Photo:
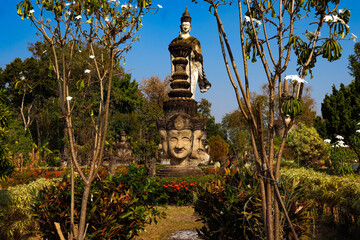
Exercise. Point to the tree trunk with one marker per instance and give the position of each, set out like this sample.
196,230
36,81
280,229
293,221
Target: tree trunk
84,202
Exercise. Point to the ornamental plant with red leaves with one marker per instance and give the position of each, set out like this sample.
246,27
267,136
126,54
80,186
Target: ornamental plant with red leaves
30,174
180,193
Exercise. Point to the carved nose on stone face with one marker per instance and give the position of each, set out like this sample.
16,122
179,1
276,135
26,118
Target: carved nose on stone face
179,145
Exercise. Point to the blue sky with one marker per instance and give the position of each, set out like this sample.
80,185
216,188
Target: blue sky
150,55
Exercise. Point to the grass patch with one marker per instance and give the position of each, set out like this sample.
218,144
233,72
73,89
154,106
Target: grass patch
177,218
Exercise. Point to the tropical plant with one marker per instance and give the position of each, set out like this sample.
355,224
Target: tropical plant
230,208
15,208
112,27
274,49
116,210
336,197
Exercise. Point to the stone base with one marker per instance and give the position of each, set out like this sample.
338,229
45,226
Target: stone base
179,171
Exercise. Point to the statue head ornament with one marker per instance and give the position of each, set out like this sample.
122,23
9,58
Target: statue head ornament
186,16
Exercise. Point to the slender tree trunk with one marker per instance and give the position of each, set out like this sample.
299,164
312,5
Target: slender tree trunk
84,202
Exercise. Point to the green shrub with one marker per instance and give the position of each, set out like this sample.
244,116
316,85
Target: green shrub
337,197
230,208
341,157
162,191
15,208
116,209
309,148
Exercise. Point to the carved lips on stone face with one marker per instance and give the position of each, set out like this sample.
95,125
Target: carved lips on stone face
180,143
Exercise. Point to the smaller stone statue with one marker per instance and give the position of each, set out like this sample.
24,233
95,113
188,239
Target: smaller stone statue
195,70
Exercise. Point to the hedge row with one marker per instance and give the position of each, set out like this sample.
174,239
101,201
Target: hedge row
15,208
337,197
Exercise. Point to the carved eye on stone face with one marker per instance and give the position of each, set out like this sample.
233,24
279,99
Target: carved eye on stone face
185,139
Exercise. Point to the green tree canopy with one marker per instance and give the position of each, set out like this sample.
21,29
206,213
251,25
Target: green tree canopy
340,109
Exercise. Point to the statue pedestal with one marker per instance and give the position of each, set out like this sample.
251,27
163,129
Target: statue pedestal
179,171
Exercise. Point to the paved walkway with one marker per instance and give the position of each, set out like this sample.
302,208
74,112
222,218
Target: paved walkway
184,235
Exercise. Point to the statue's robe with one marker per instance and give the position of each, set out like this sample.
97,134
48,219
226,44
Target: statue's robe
196,71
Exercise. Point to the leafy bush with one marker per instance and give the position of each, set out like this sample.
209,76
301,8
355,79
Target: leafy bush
29,174
162,191
15,208
118,207
308,146
180,191
337,197
341,157
219,147
20,143
230,208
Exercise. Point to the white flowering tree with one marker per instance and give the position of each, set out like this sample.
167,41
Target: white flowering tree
273,32
65,25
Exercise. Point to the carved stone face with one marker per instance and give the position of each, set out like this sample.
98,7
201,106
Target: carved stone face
180,143
185,27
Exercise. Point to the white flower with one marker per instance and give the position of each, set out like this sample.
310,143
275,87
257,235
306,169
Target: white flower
295,79
78,17
358,123
68,13
331,18
68,98
107,19
124,6
339,137
79,50
248,19
358,131
87,71
92,56
32,11
341,11
159,6
22,78
327,141
353,37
